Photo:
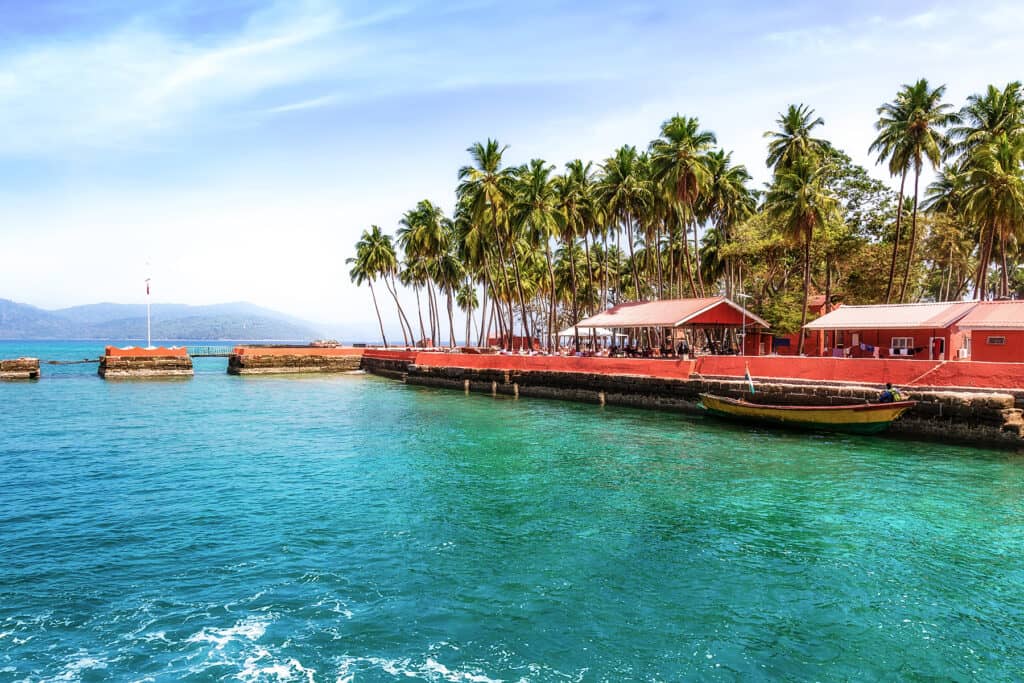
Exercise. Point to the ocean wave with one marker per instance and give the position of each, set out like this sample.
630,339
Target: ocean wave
250,628
429,669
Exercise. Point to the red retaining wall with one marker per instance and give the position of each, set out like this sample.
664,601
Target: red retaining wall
612,366
389,354
296,351
159,352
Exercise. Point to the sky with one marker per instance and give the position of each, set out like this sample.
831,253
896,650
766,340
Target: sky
235,150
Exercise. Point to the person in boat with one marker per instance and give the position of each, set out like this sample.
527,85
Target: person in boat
890,395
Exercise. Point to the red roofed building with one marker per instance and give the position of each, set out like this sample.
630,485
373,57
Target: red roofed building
716,312
926,331
997,331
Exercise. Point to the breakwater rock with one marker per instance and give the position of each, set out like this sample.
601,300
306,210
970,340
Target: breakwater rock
277,360
980,418
19,368
145,363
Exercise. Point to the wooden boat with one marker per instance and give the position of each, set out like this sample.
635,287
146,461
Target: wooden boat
864,418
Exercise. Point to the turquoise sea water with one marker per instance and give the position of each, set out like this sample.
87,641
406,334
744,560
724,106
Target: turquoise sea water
350,528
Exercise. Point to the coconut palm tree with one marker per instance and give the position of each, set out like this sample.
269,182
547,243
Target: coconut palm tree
794,140
624,189
800,201
728,202
467,302
575,202
486,189
987,116
891,147
375,257
680,164
536,211
922,139
995,197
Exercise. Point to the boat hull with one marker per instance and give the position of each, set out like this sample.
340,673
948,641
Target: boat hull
867,418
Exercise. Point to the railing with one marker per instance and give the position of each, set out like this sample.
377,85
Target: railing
210,351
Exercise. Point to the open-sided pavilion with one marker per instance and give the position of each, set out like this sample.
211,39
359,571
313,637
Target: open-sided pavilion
678,318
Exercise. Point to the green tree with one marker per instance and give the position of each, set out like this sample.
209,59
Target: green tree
800,201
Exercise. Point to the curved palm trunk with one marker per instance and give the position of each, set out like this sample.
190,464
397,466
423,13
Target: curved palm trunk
551,311
632,257
380,320
913,242
807,290
696,259
403,322
575,303
451,319
503,267
686,258
896,241
419,312
1004,280
657,256
522,297
590,267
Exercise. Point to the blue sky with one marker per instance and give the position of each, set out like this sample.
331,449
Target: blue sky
241,146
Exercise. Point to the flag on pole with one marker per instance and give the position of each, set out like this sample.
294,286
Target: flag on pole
750,380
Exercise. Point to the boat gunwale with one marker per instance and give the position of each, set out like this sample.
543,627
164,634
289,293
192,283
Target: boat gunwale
856,407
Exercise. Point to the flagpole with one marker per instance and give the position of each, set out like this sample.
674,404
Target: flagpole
149,336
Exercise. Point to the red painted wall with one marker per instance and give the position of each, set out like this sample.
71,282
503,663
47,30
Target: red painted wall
679,369
159,352
1011,352
296,351
905,373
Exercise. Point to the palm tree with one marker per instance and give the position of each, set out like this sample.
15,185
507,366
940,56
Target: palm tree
987,116
801,202
624,189
995,197
575,202
535,210
467,302
923,139
793,140
375,257
728,202
891,146
486,190
680,164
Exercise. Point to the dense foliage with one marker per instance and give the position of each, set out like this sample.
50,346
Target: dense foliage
530,250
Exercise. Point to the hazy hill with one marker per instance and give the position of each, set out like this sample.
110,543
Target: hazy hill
239,320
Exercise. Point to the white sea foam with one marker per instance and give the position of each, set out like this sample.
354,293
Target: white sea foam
73,669
257,668
430,669
250,629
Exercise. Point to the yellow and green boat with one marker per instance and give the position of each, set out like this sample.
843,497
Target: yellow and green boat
864,418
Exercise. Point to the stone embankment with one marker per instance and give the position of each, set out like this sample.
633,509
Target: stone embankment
278,360
19,368
981,417
145,363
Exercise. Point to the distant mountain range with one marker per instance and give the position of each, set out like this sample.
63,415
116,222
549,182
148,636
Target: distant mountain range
170,321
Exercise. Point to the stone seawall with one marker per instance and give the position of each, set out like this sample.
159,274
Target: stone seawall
281,361
19,368
144,367
973,418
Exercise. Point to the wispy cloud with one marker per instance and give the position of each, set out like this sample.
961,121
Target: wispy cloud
117,88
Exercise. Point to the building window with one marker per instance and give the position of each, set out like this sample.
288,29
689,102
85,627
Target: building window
902,342
996,341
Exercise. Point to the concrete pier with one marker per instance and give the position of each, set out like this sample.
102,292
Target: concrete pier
19,368
279,360
135,363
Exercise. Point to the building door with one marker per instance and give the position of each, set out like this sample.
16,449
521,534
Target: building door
937,349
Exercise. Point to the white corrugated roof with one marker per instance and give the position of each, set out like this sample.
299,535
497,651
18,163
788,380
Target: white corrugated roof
931,316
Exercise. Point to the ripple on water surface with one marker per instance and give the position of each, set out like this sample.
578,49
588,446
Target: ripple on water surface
354,529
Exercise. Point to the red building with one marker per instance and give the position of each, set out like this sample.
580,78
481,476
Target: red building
926,331
997,331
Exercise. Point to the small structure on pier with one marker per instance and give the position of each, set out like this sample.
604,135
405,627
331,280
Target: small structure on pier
136,363
278,360
19,368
